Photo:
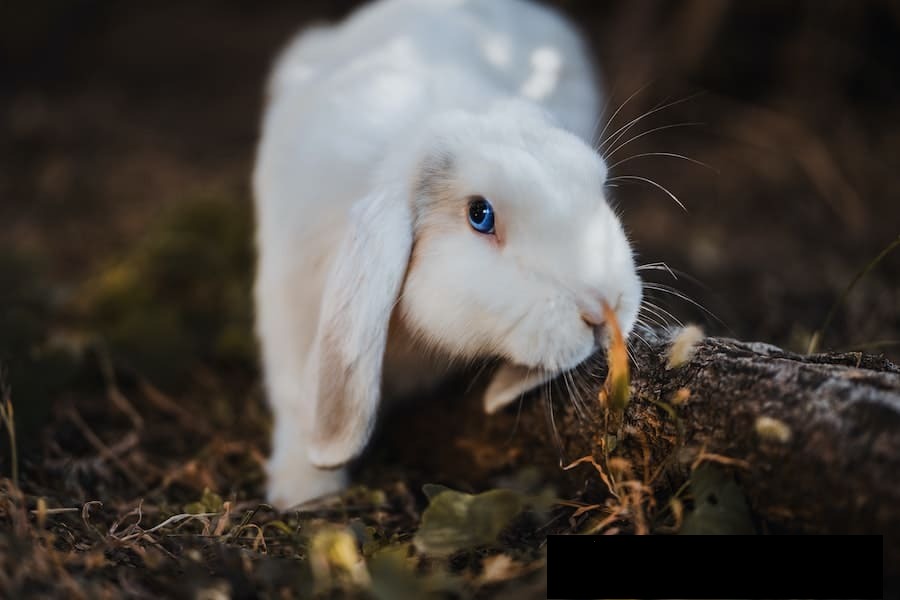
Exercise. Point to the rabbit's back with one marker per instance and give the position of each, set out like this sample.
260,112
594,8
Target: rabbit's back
515,46
340,96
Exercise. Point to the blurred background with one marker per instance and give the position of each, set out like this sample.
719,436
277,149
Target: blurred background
127,133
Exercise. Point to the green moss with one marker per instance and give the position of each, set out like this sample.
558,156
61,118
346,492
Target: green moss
181,296
34,368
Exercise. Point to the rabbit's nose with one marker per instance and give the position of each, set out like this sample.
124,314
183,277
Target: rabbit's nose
593,318
597,323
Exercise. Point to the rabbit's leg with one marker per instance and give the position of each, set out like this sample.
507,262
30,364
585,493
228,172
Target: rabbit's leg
292,478
284,332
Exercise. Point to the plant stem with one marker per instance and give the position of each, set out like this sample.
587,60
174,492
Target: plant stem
816,338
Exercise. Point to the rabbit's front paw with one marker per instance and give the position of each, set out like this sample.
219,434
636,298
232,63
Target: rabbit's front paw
293,480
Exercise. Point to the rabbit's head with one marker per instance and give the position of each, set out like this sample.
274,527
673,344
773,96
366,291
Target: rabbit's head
488,237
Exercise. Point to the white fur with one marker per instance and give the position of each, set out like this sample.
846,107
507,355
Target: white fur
371,281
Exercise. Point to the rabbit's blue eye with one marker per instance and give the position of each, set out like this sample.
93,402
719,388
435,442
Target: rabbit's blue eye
481,215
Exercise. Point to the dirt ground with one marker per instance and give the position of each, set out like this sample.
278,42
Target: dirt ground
124,127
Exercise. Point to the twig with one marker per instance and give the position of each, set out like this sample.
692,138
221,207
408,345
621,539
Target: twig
113,392
102,448
173,520
56,511
168,405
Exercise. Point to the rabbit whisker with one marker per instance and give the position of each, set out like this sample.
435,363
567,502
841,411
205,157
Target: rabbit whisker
609,154
653,183
630,352
658,310
638,336
519,403
581,380
566,377
666,289
657,266
650,312
477,375
654,319
551,422
662,154
618,110
618,134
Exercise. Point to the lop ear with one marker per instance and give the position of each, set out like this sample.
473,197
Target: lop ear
359,296
509,383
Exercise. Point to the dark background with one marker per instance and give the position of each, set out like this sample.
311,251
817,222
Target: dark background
127,133
111,112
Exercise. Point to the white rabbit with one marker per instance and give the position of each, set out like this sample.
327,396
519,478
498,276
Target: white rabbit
426,196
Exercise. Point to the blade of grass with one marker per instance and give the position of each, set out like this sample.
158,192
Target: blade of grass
816,338
619,379
7,415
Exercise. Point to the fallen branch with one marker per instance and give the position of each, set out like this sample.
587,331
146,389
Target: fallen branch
813,441
816,439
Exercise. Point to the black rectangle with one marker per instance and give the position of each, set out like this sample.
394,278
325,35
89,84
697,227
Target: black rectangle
624,566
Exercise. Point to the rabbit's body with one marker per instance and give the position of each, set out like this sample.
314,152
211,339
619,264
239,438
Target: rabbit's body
363,138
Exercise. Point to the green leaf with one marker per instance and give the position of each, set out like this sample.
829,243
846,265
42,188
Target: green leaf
433,489
210,502
395,577
457,521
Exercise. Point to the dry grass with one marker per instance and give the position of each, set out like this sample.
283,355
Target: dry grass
131,492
